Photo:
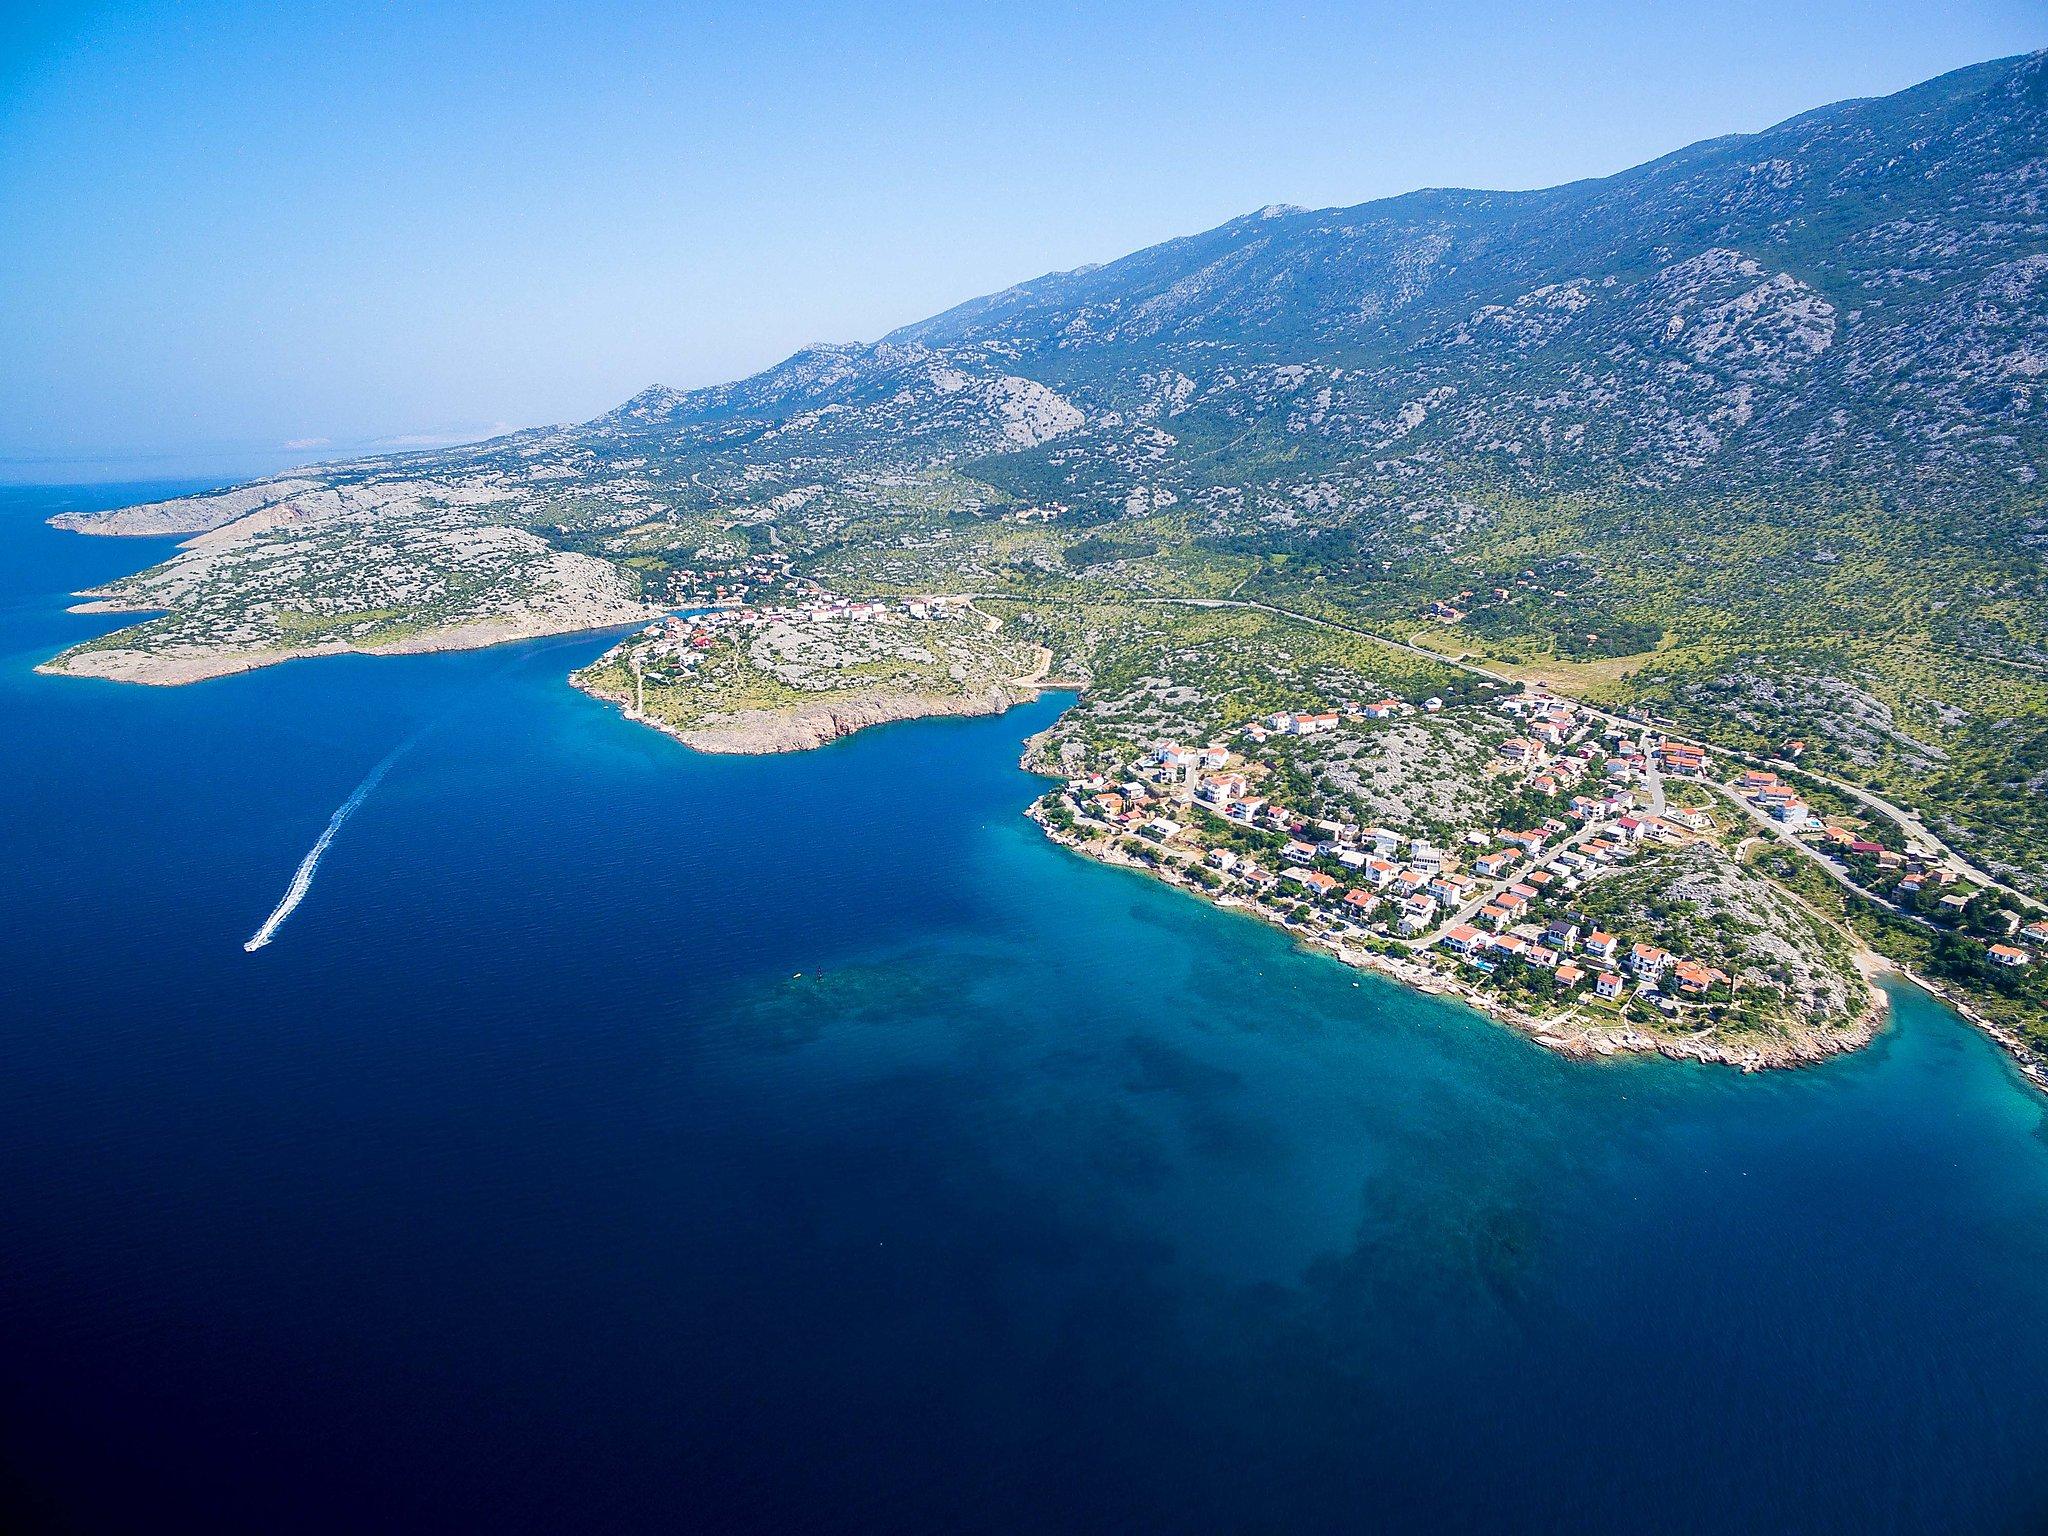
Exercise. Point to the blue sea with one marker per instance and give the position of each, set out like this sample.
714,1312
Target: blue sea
621,1139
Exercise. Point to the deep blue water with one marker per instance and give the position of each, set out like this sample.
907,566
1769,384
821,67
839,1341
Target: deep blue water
524,1184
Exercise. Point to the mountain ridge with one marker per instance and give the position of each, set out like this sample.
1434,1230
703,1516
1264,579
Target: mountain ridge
1739,414
1254,289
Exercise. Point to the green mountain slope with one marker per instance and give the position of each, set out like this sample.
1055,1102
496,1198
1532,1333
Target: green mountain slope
1769,408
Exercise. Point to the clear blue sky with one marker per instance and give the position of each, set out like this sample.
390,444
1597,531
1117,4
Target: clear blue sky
235,235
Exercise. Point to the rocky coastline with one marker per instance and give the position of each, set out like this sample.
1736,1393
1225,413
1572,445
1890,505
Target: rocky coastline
756,733
2030,1062
1577,1038
176,668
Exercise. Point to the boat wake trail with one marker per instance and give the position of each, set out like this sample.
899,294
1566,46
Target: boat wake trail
302,877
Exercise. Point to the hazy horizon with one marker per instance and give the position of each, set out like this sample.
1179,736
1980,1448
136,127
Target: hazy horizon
233,243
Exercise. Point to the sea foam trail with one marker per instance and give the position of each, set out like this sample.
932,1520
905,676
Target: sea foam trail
302,877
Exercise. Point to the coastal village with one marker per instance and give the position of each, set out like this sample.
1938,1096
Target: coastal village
1513,911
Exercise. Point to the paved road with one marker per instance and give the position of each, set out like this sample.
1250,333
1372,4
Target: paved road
1910,823
1835,870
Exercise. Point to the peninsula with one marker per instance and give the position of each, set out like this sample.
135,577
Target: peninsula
788,678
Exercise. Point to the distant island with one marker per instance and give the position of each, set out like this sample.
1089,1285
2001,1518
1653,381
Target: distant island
1620,605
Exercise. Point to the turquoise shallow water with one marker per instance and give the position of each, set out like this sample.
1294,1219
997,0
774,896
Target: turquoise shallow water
618,1138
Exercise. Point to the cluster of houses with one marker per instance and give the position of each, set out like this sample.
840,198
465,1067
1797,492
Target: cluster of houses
1320,722
732,583
681,639
1486,896
1506,895
679,643
1563,942
821,609
1913,875
1559,750
1777,799
1908,876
